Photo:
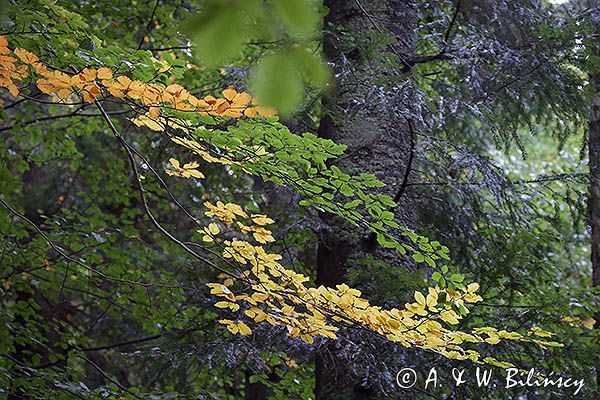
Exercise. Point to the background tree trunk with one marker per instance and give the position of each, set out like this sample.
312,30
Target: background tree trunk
594,155
373,123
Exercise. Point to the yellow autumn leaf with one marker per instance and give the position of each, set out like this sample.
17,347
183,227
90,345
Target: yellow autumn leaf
213,228
449,317
472,287
540,332
420,298
26,56
104,73
210,231
244,329
260,219
229,93
226,304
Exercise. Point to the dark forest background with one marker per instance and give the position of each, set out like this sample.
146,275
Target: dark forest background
482,117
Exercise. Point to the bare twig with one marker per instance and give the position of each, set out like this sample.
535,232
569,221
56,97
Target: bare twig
105,375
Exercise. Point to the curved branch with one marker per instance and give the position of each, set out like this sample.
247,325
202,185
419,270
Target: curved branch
409,163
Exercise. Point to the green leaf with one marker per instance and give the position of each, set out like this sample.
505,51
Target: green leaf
276,82
387,215
219,31
418,257
352,204
300,17
346,190
313,67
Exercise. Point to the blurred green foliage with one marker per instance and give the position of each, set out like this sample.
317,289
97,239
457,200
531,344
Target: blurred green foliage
220,30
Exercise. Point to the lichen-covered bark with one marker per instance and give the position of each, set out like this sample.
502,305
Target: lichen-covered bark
364,112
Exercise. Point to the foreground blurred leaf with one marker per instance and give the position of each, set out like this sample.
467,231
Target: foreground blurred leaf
279,79
276,81
298,16
219,31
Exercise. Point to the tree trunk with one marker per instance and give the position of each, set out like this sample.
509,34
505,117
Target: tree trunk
594,155
367,116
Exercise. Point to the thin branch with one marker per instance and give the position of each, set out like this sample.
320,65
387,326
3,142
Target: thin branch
74,113
409,163
169,48
149,25
541,179
105,375
124,343
142,193
452,21
60,251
